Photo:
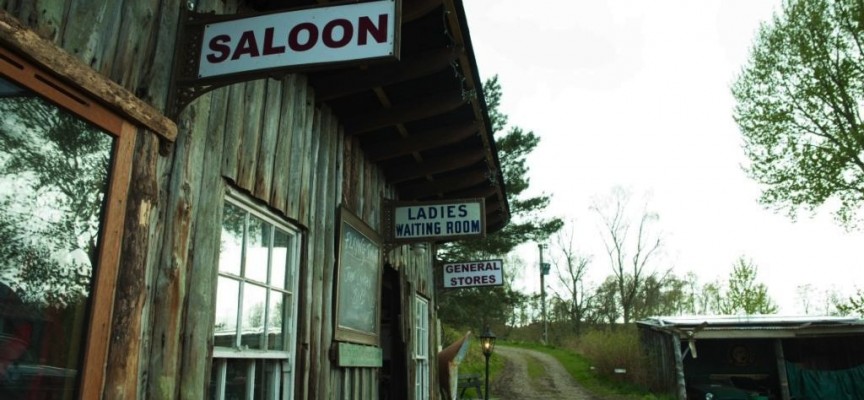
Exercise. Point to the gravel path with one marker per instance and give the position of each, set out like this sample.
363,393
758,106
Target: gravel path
515,384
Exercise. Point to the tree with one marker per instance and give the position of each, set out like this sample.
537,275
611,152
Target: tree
854,305
477,306
798,108
660,295
605,307
53,179
744,295
526,224
571,268
631,248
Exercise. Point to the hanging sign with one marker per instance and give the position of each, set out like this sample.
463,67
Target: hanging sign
434,221
217,50
474,273
320,35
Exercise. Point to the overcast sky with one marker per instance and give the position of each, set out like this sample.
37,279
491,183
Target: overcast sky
635,93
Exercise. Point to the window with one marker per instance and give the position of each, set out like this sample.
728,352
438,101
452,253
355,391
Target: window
255,305
64,170
421,348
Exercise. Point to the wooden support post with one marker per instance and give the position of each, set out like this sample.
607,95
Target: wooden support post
679,367
781,369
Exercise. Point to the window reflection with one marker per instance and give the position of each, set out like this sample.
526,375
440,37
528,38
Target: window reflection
277,323
53,179
228,294
278,277
257,246
233,221
254,315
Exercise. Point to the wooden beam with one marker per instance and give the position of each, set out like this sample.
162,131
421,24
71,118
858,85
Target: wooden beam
484,191
442,186
73,71
422,141
329,87
411,9
429,106
453,161
493,205
495,222
415,9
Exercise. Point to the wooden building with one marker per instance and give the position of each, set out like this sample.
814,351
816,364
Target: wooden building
165,239
756,356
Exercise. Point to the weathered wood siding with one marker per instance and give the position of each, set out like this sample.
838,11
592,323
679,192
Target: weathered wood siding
264,137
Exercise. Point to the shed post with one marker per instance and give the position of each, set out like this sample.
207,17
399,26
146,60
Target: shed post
781,369
679,367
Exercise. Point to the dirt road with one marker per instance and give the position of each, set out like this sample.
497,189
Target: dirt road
554,383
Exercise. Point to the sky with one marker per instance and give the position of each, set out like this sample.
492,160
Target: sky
636,94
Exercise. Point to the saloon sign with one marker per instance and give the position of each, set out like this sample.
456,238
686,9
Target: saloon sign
474,273
346,32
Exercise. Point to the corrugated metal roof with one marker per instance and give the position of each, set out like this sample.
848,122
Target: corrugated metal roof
753,326
748,320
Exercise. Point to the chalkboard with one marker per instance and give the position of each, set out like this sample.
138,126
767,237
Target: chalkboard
359,281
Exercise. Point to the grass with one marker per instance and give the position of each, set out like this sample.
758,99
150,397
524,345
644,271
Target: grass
580,368
535,369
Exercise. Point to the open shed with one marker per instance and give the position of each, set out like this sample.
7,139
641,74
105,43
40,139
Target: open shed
756,356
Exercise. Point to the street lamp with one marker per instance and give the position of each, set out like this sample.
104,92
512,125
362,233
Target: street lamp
487,340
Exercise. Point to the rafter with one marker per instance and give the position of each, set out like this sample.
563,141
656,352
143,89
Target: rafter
422,141
453,161
359,80
428,106
440,186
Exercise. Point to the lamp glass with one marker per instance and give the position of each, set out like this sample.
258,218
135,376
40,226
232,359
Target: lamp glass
487,340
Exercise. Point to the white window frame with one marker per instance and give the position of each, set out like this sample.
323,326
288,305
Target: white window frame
421,348
221,355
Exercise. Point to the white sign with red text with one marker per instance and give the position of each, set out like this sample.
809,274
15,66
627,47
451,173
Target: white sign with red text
313,36
474,273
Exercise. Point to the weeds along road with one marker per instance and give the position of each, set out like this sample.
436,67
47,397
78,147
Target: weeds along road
531,375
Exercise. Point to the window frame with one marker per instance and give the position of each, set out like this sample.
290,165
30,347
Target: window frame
221,355
421,353
104,279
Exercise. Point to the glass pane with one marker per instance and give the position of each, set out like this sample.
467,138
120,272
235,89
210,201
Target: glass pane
257,244
281,241
227,300
254,299
268,375
275,337
215,387
237,377
53,180
231,250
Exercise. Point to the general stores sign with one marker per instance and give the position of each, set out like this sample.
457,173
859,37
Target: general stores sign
474,273
341,33
423,222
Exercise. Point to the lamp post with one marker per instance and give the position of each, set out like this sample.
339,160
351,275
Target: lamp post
487,340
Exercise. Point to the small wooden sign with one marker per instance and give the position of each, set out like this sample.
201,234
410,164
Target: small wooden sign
355,355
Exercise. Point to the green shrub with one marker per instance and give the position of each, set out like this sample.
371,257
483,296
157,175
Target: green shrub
611,349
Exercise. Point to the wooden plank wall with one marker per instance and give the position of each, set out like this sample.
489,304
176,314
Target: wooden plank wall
264,137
